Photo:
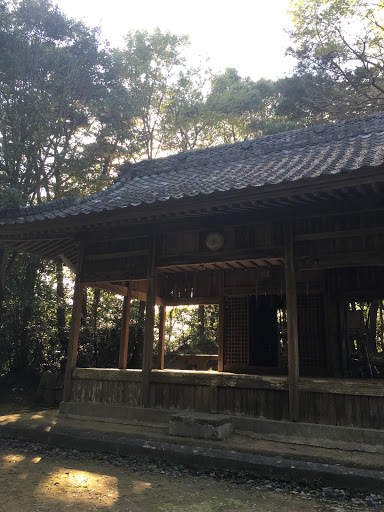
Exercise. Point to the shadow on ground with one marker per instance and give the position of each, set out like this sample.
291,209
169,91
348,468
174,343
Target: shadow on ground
33,480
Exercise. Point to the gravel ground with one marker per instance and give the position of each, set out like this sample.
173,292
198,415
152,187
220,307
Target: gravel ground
35,477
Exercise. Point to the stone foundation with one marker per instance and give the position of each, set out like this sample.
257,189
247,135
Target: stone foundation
200,426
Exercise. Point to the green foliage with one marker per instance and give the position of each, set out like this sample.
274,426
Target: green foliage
147,68
187,121
58,117
55,102
242,108
340,43
237,103
184,335
99,341
29,335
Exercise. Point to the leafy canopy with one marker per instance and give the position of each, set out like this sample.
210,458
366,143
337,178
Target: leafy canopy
340,43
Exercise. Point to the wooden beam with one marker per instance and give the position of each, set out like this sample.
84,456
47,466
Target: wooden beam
60,246
124,337
351,259
116,255
292,329
338,386
330,235
68,263
140,295
112,274
148,327
220,364
162,322
110,287
223,256
356,387
191,301
107,374
73,339
187,377
262,289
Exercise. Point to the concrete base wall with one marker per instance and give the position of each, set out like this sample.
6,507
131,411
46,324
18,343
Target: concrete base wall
325,436
116,414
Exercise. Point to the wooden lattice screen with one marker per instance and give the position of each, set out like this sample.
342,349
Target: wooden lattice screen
311,331
236,350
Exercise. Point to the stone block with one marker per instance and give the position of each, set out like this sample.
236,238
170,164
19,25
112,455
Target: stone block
200,426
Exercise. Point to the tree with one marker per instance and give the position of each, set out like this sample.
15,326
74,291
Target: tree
187,122
57,118
296,106
192,330
240,108
340,43
148,68
65,118
237,104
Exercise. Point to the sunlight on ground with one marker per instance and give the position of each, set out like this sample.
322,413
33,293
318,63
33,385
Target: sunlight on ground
9,418
30,483
52,484
12,460
71,485
138,487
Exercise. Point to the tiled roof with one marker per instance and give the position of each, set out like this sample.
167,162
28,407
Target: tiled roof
285,157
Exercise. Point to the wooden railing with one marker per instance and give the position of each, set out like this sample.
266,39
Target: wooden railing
348,402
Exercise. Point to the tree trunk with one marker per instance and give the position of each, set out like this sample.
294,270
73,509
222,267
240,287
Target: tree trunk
84,307
170,325
95,307
4,253
21,362
137,342
371,327
201,322
60,311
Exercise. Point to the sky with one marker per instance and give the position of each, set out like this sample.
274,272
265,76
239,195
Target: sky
249,35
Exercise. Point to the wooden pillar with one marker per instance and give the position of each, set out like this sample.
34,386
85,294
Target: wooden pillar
220,364
148,327
292,330
124,336
73,339
162,321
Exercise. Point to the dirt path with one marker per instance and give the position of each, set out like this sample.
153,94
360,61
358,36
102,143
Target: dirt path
38,478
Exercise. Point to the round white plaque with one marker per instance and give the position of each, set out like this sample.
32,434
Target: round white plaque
214,241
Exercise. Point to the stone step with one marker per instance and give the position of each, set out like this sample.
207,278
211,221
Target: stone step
200,425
